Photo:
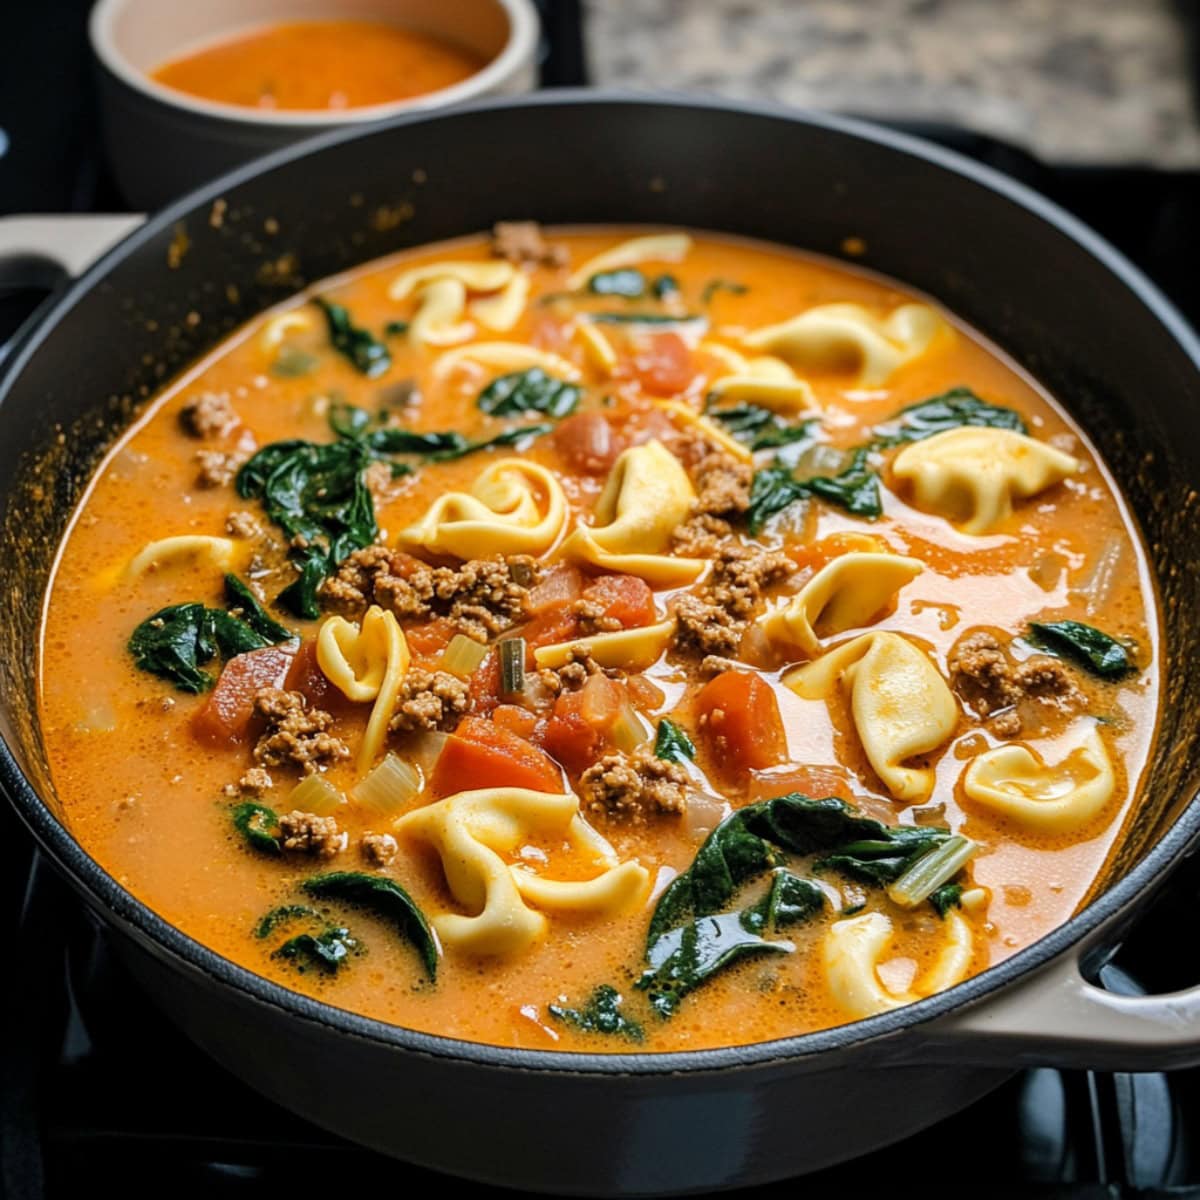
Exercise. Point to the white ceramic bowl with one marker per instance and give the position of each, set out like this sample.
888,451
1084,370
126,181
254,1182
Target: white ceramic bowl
162,142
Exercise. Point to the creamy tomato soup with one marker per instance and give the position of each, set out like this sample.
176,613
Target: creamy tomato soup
604,638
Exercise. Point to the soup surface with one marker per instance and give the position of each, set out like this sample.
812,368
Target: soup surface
319,65
591,639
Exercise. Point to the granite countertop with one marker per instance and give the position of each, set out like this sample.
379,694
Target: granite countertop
1094,81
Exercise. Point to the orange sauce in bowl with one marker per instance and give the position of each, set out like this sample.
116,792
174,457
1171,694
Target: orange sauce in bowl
315,65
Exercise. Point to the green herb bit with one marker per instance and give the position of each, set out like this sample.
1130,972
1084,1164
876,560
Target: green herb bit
326,951
788,901
1091,648
385,898
601,1013
283,915
759,428
175,642
855,488
713,286
664,286
244,604
259,825
291,363
950,410
672,743
932,870
948,896
512,666
358,345
645,318
626,282
529,391
396,328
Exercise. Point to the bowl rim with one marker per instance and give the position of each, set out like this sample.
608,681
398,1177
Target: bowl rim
519,50
138,921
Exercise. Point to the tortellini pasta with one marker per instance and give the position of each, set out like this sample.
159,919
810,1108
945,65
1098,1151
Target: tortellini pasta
501,312
597,347
709,430
507,356
971,475
765,381
513,507
655,247
217,552
438,320
489,275
629,649
850,955
833,335
474,831
900,705
1016,782
647,495
366,662
443,289
844,594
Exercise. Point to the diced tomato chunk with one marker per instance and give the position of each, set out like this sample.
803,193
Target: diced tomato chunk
587,443
624,598
226,714
560,585
579,729
643,693
740,719
515,719
427,641
307,678
551,627
483,688
480,754
663,365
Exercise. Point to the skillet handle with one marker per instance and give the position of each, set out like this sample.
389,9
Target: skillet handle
36,251
1057,1017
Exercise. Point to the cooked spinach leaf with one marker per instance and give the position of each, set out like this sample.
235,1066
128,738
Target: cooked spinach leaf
882,860
601,1013
684,958
259,825
951,410
672,742
663,286
368,354
759,428
395,328
529,391
625,282
315,493
282,915
243,603
855,488
1093,649
326,951
948,896
175,642
788,901
643,318
713,286
385,898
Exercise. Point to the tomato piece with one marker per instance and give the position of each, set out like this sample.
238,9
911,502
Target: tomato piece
577,733
625,598
645,695
515,719
427,641
587,443
663,364
483,688
551,627
480,754
739,716
226,714
307,677
560,585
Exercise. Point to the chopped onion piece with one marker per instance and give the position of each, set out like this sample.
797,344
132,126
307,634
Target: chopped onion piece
931,870
389,787
630,730
463,655
315,794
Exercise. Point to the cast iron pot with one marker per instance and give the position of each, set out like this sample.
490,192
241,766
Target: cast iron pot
1068,307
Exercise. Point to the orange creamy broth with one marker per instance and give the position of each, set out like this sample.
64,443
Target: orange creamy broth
314,65
146,800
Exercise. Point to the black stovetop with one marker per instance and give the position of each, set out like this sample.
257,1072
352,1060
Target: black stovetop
98,1091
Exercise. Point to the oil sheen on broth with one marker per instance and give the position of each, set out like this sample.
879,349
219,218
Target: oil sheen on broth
757,528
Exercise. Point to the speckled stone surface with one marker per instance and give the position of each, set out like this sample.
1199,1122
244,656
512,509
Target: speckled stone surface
1073,80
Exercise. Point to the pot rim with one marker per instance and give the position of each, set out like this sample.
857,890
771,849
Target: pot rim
87,875
518,51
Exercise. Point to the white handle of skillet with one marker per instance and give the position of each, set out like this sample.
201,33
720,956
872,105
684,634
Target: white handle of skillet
35,251
1057,1017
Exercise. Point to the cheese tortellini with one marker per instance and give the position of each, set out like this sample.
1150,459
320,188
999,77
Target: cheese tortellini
1016,782
766,381
443,289
971,475
513,507
900,705
366,662
628,649
474,831
217,552
647,495
851,951
506,356
654,247
844,594
835,335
